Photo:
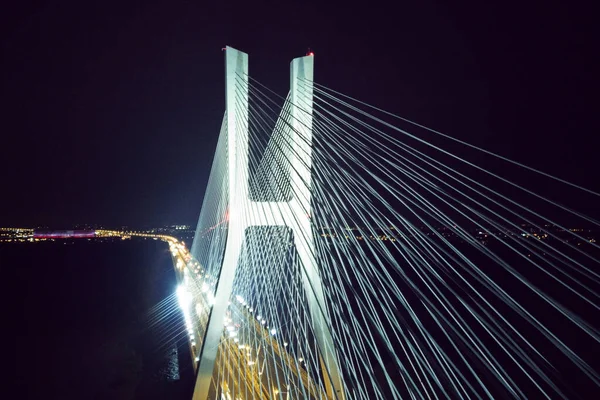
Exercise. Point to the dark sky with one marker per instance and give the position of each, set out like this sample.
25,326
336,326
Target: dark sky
111,110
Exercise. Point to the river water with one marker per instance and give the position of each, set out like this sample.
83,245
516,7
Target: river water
94,320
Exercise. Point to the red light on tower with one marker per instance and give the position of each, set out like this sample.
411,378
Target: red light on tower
310,53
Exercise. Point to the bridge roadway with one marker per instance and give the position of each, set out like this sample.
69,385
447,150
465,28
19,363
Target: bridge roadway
246,372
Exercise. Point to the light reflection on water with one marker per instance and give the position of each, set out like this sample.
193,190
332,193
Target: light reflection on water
170,371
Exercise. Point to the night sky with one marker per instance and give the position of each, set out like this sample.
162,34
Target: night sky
111,110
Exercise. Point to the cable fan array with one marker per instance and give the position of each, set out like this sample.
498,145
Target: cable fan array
441,278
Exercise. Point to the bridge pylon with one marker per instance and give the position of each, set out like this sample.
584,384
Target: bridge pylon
294,214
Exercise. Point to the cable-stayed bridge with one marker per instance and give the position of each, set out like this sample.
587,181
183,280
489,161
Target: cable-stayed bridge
343,252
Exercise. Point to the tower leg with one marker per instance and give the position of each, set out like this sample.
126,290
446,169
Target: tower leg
214,329
317,306
301,96
236,90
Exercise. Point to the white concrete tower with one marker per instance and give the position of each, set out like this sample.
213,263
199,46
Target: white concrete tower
244,213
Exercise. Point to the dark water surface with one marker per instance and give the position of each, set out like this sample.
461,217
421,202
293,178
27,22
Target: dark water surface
93,320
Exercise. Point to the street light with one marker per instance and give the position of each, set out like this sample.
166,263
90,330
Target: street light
277,392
